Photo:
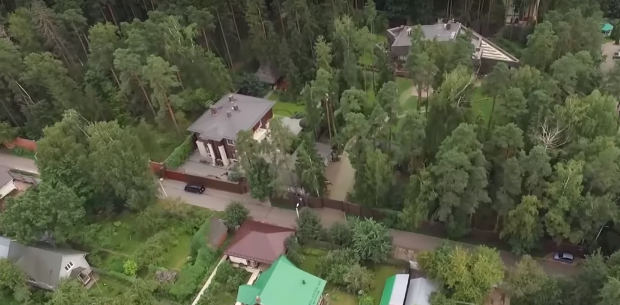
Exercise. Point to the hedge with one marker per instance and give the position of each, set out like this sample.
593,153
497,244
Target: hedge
180,154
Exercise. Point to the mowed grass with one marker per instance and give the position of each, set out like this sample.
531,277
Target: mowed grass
284,108
382,273
177,256
481,104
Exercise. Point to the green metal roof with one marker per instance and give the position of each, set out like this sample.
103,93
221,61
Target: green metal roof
283,284
607,27
387,290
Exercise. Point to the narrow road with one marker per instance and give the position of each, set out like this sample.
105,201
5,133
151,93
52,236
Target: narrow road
263,211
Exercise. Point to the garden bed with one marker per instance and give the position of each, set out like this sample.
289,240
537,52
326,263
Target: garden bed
337,295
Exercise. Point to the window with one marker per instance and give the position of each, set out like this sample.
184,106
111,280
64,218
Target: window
69,266
230,142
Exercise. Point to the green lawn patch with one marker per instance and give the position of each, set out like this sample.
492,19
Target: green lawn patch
482,104
382,272
109,286
177,256
286,109
403,84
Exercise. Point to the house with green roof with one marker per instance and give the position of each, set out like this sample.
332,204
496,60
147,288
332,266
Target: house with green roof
283,284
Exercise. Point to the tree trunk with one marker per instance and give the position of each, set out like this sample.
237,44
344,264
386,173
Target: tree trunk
419,89
174,119
224,36
180,80
112,14
280,17
81,41
148,99
204,35
496,223
232,13
103,14
329,125
115,78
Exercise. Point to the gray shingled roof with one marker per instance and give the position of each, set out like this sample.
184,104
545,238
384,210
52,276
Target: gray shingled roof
323,150
10,249
43,264
220,126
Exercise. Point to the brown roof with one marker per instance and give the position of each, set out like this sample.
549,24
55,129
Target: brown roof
260,242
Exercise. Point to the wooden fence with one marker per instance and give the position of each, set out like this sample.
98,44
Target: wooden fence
23,144
160,170
290,202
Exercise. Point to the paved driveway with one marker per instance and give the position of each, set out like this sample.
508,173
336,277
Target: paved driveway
608,49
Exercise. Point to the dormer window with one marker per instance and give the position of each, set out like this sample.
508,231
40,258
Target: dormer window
69,266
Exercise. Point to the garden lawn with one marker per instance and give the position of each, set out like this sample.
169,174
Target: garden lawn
481,104
221,296
177,256
382,273
109,286
284,108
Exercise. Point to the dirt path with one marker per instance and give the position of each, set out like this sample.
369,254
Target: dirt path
342,176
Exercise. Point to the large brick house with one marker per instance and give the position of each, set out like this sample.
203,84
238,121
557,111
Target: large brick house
216,130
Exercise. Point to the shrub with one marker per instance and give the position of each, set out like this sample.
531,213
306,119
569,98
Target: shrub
308,226
130,267
199,239
235,174
153,249
340,234
171,213
7,132
358,279
293,251
371,240
191,276
234,214
366,300
230,277
180,154
335,264
95,258
249,84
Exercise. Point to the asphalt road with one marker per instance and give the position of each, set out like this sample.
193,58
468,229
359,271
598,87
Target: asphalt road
263,211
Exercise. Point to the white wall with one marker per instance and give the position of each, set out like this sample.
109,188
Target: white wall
7,189
238,260
79,260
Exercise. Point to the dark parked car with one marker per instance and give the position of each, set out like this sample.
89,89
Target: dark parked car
195,188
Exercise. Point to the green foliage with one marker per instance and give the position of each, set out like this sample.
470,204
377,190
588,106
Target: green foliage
169,213
7,132
180,154
340,234
335,264
46,208
371,240
293,251
462,275
249,84
192,275
199,239
309,226
366,300
130,267
235,214
153,249
358,279
13,281
230,277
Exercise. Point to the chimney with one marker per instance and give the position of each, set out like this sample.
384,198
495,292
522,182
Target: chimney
213,110
409,31
448,25
258,300
228,113
231,97
235,107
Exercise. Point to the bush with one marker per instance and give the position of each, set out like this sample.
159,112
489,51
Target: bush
249,84
199,239
371,240
340,234
191,276
358,279
234,214
153,249
171,213
293,251
308,226
366,300
335,264
230,277
95,258
180,154
235,174
130,267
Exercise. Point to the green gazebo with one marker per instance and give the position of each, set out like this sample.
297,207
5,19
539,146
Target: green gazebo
283,284
607,28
